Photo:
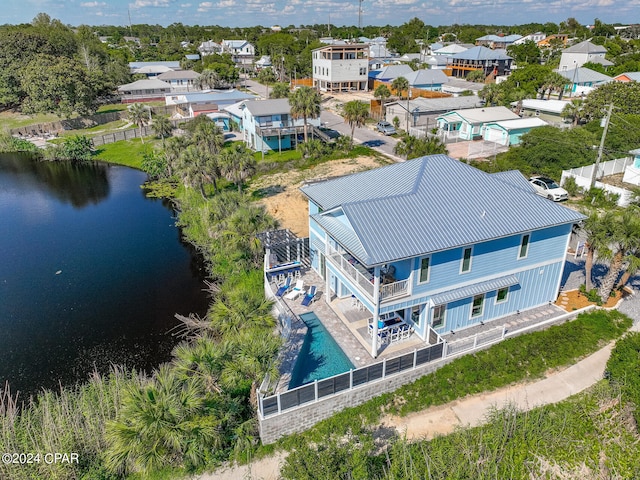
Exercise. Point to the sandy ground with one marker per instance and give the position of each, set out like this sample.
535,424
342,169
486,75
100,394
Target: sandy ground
288,205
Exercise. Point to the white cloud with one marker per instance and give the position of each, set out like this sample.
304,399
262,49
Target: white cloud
185,5
226,3
149,3
92,4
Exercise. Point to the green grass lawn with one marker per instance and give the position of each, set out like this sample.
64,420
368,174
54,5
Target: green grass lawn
125,152
10,120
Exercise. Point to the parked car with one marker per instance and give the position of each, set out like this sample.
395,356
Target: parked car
385,127
548,188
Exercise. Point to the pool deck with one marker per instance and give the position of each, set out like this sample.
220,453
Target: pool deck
348,327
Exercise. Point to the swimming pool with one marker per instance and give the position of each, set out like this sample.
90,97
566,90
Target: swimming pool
320,356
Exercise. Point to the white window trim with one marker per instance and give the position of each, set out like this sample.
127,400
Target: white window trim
484,298
506,298
470,260
444,315
520,246
420,269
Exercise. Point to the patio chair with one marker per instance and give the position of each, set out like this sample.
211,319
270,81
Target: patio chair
284,287
295,291
308,298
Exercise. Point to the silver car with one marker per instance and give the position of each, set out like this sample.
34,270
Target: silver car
385,127
548,188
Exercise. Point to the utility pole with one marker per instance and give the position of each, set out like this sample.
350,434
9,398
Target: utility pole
604,135
359,14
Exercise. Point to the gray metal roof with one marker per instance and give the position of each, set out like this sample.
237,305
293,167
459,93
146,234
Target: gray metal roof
514,178
482,53
273,106
585,47
584,75
178,75
425,77
475,289
439,105
426,205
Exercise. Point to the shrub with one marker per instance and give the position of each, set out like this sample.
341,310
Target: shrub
623,368
571,186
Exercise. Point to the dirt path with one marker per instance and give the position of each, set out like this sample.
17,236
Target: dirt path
285,202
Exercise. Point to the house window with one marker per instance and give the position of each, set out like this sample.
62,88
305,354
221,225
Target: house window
524,246
502,294
363,71
437,318
424,269
465,265
478,306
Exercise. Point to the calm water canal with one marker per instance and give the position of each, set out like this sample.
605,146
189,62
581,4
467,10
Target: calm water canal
91,273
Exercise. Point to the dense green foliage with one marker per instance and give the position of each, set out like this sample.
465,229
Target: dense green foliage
623,369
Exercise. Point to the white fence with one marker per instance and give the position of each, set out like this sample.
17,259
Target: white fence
582,176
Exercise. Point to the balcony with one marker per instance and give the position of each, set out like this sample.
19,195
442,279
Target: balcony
278,130
363,278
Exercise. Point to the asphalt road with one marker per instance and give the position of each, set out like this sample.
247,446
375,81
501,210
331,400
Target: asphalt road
364,135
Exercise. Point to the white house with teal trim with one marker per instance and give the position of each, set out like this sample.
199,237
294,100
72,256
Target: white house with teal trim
268,124
437,242
508,132
469,124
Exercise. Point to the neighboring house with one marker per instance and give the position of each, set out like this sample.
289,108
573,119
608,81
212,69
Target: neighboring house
380,51
153,69
389,73
580,53
427,79
339,68
456,86
583,80
180,80
449,50
242,52
628,77
632,171
190,105
495,62
264,62
436,62
268,125
554,40
508,132
438,243
194,57
469,124
532,37
423,112
411,57
209,48
548,110
497,41
144,91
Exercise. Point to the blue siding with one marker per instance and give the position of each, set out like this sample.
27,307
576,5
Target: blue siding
492,258
313,209
344,280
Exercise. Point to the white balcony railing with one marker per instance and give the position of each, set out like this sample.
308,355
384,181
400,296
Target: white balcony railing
363,278
395,289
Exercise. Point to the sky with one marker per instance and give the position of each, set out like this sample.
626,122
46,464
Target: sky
244,13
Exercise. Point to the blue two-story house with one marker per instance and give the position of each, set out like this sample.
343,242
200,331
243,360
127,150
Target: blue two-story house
437,242
269,125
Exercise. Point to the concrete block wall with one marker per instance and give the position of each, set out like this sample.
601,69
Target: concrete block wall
306,416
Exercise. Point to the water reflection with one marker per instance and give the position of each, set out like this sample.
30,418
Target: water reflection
76,184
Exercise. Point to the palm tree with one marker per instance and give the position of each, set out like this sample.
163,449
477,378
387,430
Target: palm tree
237,164
138,115
209,139
595,226
412,147
399,85
305,103
355,114
195,168
625,238
161,422
280,90
172,151
266,77
382,93
573,111
162,127
208,79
